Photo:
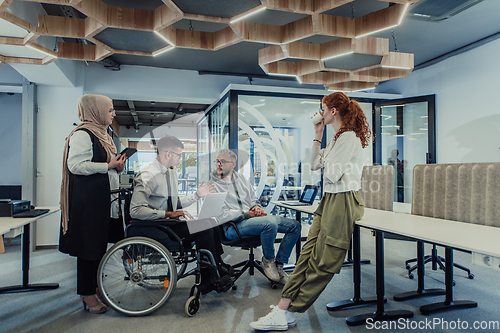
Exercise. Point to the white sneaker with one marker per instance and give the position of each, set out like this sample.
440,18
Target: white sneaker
269,267
275,321
283,275
290,319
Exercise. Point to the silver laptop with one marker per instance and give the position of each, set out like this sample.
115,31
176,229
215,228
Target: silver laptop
210,210
212,205
307,198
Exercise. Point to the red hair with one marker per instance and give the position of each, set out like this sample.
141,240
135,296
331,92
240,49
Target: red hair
353,117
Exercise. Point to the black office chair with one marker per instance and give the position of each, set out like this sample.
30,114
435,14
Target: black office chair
247,242
436,261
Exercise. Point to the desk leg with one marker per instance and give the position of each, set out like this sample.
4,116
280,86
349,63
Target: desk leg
26,286
380,314
421,291
2,246
448,304
356,272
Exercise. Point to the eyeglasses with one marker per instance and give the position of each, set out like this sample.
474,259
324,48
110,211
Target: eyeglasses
178,155
222,162
112,111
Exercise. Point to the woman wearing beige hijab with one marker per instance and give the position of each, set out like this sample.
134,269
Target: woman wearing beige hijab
89,153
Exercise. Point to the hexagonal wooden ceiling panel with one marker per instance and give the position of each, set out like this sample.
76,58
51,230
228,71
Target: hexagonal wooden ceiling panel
315,41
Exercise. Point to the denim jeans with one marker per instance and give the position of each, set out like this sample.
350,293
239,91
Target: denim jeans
267,227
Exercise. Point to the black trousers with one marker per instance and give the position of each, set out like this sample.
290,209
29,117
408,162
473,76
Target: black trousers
209,239
86,276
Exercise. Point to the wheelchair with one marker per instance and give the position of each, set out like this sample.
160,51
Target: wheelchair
138,275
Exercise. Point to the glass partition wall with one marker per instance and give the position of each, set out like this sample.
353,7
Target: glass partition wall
277,134
406,138
273,135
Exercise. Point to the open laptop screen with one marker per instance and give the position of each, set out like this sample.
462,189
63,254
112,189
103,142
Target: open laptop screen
309,194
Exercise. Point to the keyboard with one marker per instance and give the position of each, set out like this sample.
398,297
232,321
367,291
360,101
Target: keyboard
31,213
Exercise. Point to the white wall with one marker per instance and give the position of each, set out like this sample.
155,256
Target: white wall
55,118
467,107
9,76
11,148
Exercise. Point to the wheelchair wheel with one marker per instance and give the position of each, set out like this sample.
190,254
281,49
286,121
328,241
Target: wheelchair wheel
137,276
192,306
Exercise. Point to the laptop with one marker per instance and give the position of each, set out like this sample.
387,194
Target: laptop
307,198
210,210
212,205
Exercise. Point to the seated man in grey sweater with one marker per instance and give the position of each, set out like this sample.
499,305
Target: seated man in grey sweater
242,207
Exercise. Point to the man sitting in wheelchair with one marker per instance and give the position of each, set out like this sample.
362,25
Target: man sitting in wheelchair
156,197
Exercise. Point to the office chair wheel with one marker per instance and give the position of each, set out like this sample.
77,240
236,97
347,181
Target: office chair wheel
410,276
192,306
471,276
274,285
137,276
234,287
407,266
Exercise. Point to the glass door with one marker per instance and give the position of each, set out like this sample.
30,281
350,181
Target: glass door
405,138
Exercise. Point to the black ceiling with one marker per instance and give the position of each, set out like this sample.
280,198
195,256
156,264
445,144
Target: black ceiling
151,113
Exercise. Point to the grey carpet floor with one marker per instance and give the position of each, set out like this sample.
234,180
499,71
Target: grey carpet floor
60,310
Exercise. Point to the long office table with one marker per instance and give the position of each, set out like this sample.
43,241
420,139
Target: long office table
450,234
13,223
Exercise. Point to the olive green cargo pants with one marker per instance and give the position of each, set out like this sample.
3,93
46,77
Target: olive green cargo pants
324,251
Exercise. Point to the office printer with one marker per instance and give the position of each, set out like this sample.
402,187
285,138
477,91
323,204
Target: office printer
10,207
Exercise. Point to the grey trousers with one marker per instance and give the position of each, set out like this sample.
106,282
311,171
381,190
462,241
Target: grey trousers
324,251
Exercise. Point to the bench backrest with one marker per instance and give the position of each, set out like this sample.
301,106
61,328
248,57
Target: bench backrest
465,192
377,182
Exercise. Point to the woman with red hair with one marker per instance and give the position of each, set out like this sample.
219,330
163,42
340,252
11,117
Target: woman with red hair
330,234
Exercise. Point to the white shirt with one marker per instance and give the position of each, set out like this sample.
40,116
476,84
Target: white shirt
342,163
152,187
80,163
